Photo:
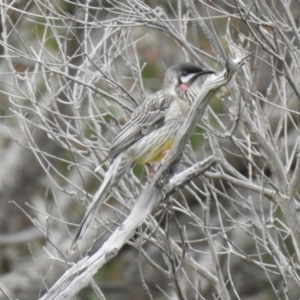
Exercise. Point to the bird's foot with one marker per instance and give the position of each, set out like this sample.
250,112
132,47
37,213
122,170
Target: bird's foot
151,171
165,156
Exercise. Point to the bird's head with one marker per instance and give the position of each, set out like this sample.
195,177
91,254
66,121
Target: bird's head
183,77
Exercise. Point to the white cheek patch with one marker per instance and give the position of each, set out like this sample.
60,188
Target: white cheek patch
186,78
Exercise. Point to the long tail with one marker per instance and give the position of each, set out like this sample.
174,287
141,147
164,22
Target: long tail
118,168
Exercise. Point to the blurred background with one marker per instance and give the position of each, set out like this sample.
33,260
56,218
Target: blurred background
71,74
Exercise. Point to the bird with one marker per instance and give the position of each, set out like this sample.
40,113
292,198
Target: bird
149,134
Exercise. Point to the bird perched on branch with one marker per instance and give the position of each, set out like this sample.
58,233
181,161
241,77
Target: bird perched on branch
150,132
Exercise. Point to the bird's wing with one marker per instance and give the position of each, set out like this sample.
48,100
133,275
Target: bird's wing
147,117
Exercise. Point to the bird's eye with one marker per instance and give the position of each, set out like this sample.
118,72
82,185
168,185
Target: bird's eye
185,78
184,73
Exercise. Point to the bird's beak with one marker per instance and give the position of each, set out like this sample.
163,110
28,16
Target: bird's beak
205,71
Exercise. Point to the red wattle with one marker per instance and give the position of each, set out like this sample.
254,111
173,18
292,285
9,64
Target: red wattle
183,86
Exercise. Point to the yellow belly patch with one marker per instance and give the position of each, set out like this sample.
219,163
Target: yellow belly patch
155,154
